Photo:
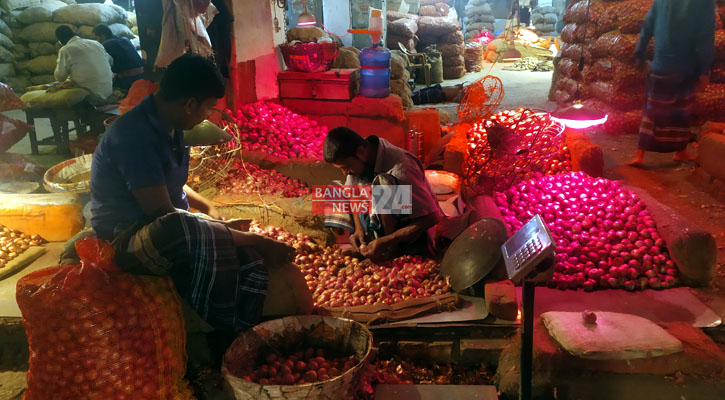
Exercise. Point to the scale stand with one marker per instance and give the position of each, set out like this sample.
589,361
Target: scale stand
529,258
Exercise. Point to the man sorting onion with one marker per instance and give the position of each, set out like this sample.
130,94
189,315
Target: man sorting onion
141,203
374,161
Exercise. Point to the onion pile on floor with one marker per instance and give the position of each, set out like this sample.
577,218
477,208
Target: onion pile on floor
248,178
336,280
271,128
605,237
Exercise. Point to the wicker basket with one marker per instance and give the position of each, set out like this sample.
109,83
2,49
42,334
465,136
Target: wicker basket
338,334
70,176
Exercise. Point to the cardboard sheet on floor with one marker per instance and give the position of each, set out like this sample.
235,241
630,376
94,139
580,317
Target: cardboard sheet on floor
23,260
472,309
381,313
614,336
671,305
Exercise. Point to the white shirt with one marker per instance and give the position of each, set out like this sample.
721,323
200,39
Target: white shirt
87,64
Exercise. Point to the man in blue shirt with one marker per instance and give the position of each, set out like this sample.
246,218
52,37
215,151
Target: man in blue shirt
127,64
140,203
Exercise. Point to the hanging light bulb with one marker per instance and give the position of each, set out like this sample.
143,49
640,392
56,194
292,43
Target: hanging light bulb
306,18
579,116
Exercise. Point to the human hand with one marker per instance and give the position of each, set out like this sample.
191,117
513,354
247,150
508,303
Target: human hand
378,250
214,213
357,239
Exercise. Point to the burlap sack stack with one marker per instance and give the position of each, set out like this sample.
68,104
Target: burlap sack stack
479,18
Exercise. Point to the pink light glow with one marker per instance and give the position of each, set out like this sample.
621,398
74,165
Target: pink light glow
306,23
581,124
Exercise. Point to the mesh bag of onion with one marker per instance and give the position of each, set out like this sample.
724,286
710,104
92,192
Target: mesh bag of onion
515,145
98,333
605,237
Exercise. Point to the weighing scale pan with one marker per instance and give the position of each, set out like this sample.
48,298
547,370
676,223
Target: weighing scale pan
474,253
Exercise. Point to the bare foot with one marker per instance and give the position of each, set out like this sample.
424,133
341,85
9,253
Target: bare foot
637,159
684,156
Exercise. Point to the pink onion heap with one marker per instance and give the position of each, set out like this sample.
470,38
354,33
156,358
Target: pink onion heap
336,280
605,237
247,178
271,128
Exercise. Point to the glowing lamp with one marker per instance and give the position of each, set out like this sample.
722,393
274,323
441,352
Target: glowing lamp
306,18
579,116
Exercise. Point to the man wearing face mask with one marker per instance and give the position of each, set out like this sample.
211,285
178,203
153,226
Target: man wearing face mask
375,161
141,203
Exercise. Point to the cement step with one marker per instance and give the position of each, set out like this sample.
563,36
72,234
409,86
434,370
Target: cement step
434,392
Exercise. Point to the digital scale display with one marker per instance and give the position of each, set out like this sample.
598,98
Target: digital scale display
528,248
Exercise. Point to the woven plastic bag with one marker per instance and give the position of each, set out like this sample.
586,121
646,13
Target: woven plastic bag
11,131
98,333
8,99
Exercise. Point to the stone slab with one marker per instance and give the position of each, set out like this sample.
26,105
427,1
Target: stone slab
438,351
691,247
435,392
481,351
501,299
12,385
585,155
710,154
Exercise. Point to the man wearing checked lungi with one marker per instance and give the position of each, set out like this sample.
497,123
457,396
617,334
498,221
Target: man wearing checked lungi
141,203
684,33
381,235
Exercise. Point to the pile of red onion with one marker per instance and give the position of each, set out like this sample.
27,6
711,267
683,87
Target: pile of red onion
336,280
273,129
512,146
248,178
605,238
309,366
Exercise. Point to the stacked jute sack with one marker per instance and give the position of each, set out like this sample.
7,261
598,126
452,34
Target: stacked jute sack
435,8
33,23
474,57
445,33
401,29
609,80
479,18
545,20
399,77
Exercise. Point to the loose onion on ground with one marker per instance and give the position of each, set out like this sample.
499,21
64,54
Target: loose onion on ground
604,235
248,178
336,280
271,128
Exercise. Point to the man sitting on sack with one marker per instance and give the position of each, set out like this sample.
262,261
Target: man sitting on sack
86,63
140,203
381,236
127,64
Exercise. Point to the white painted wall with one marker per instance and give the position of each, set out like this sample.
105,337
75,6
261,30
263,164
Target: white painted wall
336,17
256,40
